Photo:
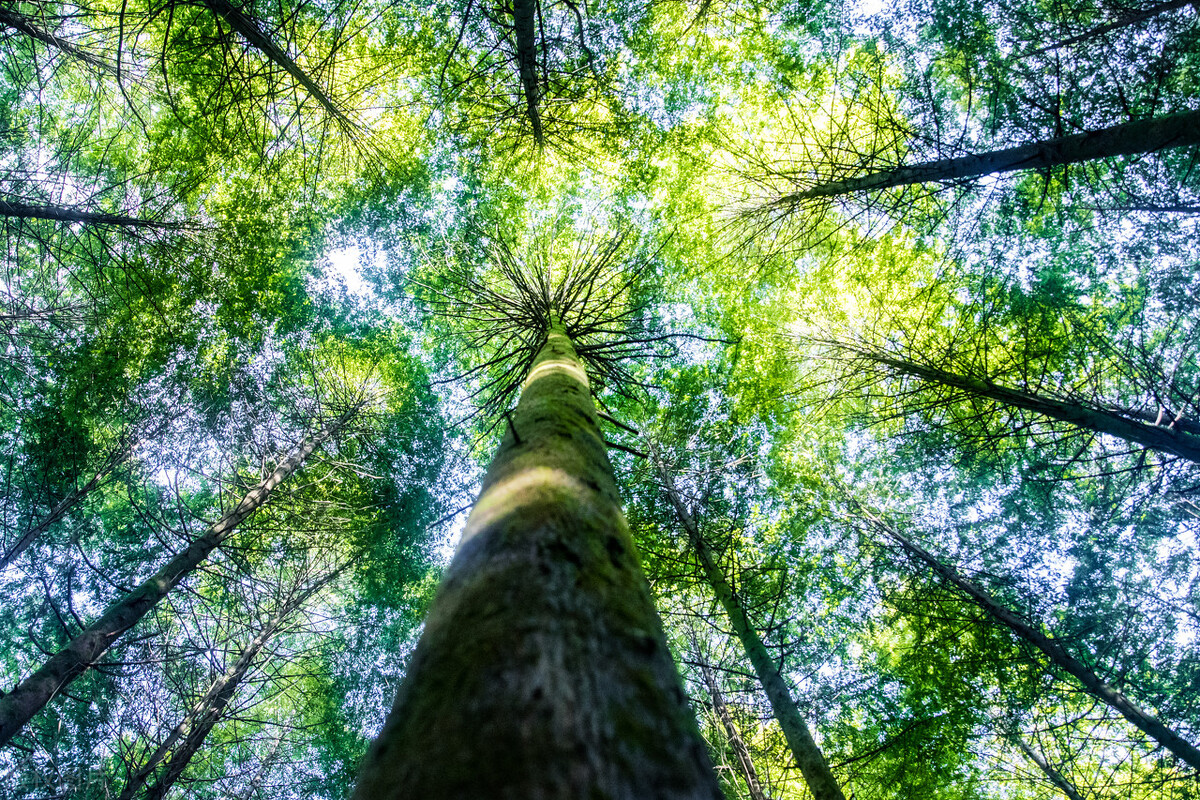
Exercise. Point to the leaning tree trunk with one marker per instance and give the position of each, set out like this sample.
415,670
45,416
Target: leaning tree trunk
31,534
543,671
749,773
31,694
248,28
1117,24
18,209
29,27
1130,138
1135,427
807,754
186,738
60,510
525,31
1140,718
1053,775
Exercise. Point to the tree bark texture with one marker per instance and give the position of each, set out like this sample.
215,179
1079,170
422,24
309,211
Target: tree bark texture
1054,651
1130,138
525,31
32,694
543,671
807,754
1164,438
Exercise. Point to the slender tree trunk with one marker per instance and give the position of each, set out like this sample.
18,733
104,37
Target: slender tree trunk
254,787
31,694
247,27
186,739
63,506
60,509
1130,138
1139,429
1123,22
1053,775
22,210
807,754
23,24
1053,650
735,737
525,30
543,672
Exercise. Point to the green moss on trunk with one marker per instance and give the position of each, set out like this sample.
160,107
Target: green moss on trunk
543,671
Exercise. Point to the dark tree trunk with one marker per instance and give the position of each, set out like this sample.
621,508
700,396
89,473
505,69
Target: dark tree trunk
60,509
247,27
23,24
56,513
543,672
1171,436
807,754
1130,138
525,31
31,694
22,210
1053,650
1123,22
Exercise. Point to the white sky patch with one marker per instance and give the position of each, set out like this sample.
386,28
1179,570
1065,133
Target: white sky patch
344,264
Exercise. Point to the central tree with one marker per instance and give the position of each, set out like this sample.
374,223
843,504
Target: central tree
543,670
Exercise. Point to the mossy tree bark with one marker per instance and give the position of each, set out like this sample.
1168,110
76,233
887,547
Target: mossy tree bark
86,648
805,750
543,671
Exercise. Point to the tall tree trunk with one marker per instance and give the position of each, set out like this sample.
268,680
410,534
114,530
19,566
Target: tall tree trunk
1171,437
185,740
807,754
247,27
1052,649
31,694
23,24
1130,138
525,31
749,774
543,671
19,209
1053,775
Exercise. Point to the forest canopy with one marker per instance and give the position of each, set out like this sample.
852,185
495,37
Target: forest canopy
718,398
